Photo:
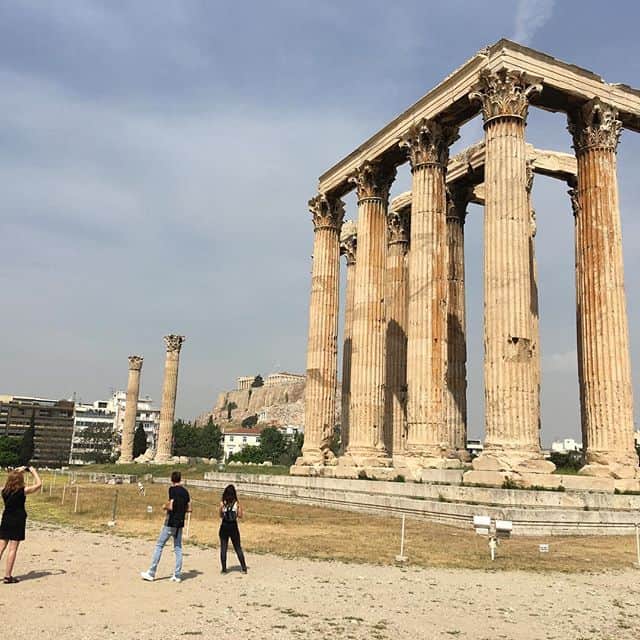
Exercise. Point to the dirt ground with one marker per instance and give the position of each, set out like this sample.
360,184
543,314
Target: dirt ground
77,584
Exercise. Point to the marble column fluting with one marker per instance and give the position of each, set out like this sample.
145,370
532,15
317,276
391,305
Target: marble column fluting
396,306
348,248
322,346
603,334
535,309
428,145
511,429
164,450
366,444
458,198
130,409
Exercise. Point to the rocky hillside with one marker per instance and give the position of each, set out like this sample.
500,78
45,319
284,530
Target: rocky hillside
277,405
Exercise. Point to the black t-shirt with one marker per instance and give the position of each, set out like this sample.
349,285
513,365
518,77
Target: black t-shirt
181,499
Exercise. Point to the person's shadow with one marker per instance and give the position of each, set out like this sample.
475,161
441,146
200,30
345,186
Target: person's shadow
36,575
186,575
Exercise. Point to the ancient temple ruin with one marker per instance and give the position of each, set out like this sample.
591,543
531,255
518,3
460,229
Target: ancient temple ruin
404,350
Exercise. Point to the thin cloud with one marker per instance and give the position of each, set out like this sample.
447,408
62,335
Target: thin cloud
531,16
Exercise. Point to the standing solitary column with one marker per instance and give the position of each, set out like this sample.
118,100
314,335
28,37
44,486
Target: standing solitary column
512,441
169,389
130,409
396,300
456,378
322,346
603,335
427,441
366,443
348,247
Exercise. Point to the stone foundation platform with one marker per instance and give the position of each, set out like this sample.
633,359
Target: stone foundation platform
573,508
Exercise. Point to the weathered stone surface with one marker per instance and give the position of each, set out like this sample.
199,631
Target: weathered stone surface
546,480
627,485
535,465
169,390
448,476
493,478
131,409
585,483
486,463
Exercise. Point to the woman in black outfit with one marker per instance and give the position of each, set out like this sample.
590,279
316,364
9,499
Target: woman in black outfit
14,516
230,513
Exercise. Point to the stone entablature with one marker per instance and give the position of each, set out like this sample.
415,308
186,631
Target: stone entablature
563,86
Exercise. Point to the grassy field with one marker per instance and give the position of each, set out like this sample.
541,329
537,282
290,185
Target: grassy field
194,471
314,532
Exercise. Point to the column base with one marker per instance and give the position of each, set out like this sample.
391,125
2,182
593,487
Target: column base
316,458
365,457
124,460
161,459
602,464
512,460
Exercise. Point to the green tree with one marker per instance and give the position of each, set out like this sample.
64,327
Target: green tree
26,445
9,451
186,439
139,441
257,381
211,441
249,454
272,443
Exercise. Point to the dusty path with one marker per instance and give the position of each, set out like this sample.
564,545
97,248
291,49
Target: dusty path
84,585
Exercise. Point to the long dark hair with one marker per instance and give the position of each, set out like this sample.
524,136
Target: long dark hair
229,495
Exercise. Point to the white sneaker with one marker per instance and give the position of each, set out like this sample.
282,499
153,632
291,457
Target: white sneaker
145,575
175,579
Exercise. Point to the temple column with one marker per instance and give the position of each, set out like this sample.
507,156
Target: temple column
535,311
130,409
456,377
427,439
348,247
396,301
511,436
168,406
322,345
366,415
603,335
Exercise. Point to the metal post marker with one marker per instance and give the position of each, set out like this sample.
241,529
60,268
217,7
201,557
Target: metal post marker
75,507
638,543
401,557
186,533
64,490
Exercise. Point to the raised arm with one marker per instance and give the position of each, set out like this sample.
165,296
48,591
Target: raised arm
32,488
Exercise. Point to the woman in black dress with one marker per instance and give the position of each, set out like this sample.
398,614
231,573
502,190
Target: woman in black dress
230,513
14,516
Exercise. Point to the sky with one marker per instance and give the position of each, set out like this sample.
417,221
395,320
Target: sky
156,159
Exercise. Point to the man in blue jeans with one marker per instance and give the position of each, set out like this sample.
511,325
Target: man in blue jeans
178,505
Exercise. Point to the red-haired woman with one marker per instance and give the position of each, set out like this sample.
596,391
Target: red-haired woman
14,516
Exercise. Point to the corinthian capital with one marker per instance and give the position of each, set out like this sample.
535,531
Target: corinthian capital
174,342
504,93
458,198
373,179
135,363
428,142
327,212
595,126
398,226
349,241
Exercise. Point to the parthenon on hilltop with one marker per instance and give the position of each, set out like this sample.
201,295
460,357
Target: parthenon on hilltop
404,344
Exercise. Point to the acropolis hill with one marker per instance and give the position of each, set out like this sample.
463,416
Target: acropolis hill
279,401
